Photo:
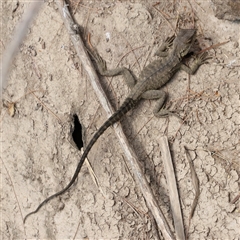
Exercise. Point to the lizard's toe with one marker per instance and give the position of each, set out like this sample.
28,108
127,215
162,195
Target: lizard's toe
169,41
204,57
101,64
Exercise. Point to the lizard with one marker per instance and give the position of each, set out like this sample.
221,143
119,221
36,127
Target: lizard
148,86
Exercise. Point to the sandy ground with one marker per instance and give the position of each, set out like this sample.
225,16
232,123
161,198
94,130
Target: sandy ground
48,86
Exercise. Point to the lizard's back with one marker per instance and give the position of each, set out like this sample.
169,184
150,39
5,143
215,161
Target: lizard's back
156,74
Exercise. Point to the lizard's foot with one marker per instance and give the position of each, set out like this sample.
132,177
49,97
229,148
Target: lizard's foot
162,51
202,58
166,113
169,41
101,64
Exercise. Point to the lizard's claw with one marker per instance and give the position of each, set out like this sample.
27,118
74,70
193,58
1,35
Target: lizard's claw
166,113
166,45
169,41
101,64
202,58
176,114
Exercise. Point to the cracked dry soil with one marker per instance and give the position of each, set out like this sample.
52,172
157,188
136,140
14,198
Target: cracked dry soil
48,86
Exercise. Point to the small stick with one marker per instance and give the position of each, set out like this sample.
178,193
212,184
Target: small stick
235,199
195,183
173,191
212,47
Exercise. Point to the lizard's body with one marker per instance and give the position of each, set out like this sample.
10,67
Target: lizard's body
151,79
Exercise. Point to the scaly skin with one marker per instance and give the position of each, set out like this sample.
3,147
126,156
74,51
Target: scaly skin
151,79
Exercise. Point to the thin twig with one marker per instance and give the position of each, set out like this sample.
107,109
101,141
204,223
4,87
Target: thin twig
195,182
235,199
163,15
212,47
173,190
132,50
60,121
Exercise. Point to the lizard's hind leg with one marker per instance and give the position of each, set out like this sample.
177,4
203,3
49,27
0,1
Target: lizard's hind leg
129,77
161,97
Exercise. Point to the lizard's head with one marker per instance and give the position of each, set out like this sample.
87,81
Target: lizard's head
184,41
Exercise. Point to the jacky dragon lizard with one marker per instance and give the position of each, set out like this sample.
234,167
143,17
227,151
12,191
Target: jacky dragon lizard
151,79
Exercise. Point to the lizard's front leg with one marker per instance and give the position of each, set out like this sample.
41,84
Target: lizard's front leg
166,45
129,78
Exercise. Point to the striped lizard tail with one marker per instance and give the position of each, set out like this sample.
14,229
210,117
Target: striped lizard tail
125,107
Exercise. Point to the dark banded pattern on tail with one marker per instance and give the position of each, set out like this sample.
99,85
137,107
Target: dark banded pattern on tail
126,106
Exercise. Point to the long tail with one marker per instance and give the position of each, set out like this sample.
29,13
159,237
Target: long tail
126,106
